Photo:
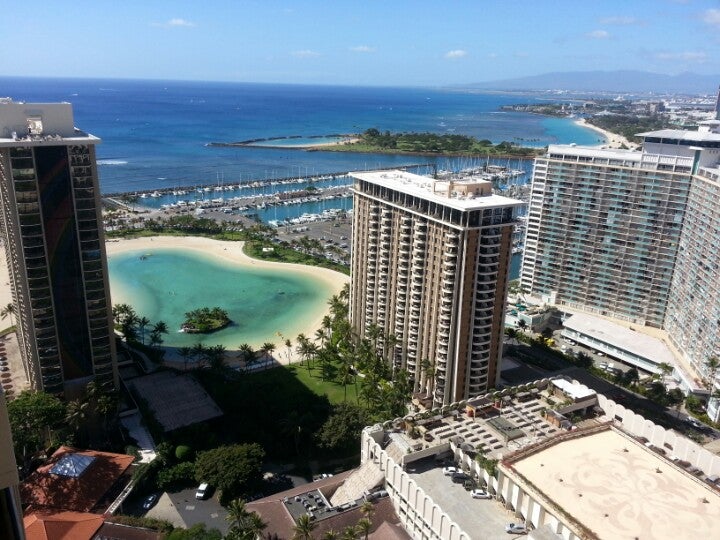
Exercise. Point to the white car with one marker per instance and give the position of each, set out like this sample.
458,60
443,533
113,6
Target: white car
480,494
202,491
515,528
449,471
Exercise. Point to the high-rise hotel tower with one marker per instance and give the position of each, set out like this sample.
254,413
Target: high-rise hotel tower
430,266
634,235
52,229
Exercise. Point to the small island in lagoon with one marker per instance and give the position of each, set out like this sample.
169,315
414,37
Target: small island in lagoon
205,320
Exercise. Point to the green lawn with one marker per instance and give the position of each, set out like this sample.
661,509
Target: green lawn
313,381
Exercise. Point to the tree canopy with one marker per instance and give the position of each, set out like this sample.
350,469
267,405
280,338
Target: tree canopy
35,419
233,469
341,431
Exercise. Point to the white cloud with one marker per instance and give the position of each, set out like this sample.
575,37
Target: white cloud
687,56
457,53
619,20
712,17
363,49
305,53
598,34
175,22
492,55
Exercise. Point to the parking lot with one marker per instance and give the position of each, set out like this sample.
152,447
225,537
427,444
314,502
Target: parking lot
480,518
182,509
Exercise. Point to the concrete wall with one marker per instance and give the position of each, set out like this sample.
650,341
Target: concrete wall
677,444
57,118
420,515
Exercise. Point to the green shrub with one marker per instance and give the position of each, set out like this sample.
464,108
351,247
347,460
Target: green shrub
145,522
179,476
184,453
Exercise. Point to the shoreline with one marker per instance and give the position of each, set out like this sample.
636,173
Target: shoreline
232,252
613,139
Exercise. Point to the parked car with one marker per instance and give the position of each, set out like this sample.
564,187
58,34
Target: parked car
459,477
449,471
480,494
202,491
150,501
515,528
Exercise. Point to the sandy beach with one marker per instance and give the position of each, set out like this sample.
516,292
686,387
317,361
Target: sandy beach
613,139
232,252
310,146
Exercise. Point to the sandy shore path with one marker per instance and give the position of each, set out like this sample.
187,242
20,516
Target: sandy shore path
233,253
614,140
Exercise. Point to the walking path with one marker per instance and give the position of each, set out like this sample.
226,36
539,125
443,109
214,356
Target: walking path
144,440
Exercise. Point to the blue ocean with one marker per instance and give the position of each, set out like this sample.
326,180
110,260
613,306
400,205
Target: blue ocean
155,132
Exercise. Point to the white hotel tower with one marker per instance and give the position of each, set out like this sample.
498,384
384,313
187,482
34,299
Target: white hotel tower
634,235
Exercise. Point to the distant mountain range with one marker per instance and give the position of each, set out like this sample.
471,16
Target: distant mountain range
641,82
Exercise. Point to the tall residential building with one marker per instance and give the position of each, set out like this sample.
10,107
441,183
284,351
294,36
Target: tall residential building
633,235
603,230
430,266
52,229
11,526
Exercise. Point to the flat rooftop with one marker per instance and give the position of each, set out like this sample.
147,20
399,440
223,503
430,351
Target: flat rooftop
505,425
682,135
618,488
638,343
627,157
431,189
479,518
39,124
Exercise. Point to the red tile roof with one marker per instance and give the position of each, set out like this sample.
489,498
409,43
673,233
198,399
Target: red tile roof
61,526
43,489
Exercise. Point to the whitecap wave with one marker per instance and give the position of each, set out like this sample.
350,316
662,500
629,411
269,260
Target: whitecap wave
111,162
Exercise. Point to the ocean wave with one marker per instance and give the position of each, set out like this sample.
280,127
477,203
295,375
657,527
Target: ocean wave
111,162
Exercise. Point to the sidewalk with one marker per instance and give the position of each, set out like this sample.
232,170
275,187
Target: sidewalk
144,440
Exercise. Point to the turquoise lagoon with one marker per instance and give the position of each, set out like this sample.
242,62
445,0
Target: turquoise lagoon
264,304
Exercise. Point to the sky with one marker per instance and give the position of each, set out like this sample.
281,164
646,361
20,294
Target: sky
368,42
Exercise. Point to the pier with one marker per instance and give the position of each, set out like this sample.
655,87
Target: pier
281,180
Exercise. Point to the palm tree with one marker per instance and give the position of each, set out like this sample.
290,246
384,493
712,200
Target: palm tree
160,327
429,370
712,364
76,414
330,534
216,356
363,526
243,523
303,528
237,512
288,345
185,353
8,311
512,334
349,533
293,425
247,353
198,351
267,350
254,525
368,509
142,322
